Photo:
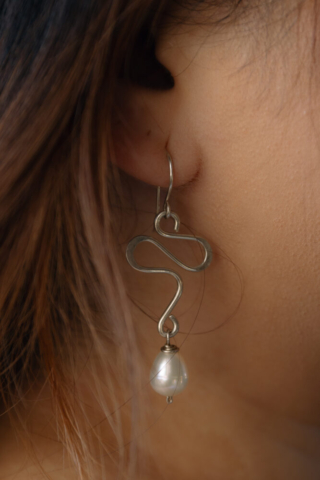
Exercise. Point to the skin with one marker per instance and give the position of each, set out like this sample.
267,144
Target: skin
242,127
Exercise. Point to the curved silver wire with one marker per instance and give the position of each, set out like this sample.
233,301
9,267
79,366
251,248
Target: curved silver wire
143,238
206,246
166,206
132,261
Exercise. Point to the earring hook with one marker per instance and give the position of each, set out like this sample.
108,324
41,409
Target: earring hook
166,205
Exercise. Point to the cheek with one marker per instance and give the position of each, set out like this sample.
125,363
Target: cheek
259,193
258,199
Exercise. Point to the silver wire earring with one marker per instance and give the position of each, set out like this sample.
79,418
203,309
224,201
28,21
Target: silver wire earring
168,374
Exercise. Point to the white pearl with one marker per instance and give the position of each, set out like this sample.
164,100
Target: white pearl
169,374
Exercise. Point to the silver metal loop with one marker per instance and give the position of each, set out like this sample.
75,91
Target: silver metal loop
143,238
132,261
166,202
166,206
206,246
167,210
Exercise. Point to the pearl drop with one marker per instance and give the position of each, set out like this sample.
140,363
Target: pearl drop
169,374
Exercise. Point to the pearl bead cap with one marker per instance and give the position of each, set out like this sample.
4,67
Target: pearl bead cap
169,375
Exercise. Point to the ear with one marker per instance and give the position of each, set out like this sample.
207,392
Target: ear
147,123
140,134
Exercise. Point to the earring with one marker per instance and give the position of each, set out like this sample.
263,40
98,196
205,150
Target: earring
169,374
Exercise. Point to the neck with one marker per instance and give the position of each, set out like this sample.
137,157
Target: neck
207,432
216,434
251,407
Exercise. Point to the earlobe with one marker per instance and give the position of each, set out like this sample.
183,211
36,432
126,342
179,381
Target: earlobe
145,125
140,158
139,138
